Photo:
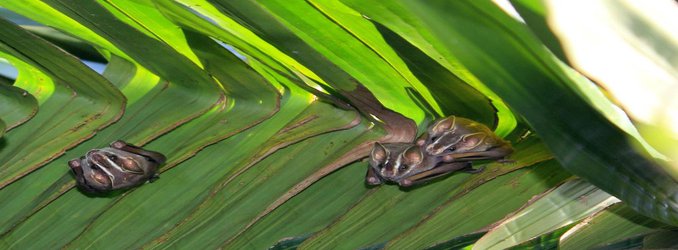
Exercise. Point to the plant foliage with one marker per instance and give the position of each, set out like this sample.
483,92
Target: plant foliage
266,109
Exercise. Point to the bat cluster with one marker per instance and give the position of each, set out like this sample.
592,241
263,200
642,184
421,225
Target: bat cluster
119,166
449,145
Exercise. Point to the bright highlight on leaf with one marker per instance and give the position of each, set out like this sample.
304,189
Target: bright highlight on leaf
566,204
644,75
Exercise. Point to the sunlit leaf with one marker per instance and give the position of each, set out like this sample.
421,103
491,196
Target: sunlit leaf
397,17
558,208
503,54
481,207
613,224
266,111
644,43
85,101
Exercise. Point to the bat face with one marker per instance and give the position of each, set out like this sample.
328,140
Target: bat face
119,166
461,139
407,165
448,146
397,162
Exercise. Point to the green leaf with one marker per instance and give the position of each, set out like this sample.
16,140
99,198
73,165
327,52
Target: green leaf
203,92
213,216
70,44
544,241
459,242
70,92
368,33
613,224
319,205
288,243
16,106
265,110
644,43
402,21
143,16
659,240
663,239
535,13
41,12
294,26
388,212
481,207
193,136
504,55
568,203
210,21
2,127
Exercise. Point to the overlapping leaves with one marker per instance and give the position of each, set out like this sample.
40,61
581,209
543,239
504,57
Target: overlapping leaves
263,152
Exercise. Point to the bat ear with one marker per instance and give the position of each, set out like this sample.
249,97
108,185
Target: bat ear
413,155
422,139
443,125
379,152
76,168
75,163
473,140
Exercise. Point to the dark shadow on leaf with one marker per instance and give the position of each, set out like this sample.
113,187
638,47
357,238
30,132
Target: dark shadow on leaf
432,181
453,95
